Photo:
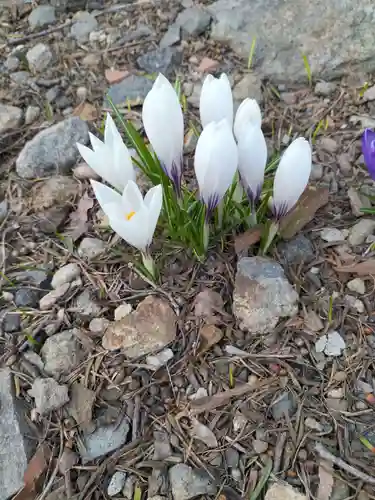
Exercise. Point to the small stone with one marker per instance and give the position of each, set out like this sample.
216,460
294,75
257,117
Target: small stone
358,201
290,98
4,206
171,37
122,311
49,300
61,353
84,25
316,171
39,57
336,393
297,250
85,306
328,144
90,248
7,296
340,491
260,446
160,60
331,234
283,491
369,94
331,343
52,150
83,172
116,483
103,440
148,329
128,489
345,164
262,295
201,393
187,483
193,21
32,114
208,65
132,90
325,89
360,231
20,77
91,60
313,322
156,361
285,404
11,323
98,326
81,93
41,16
313,424
10,117
26,297
115,76
12,63
57,190
248,86
16,448
354,303
34,358
65,274
232,457
194,97
357,285
48,395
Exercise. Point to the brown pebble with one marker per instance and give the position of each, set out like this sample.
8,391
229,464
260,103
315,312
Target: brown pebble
302,454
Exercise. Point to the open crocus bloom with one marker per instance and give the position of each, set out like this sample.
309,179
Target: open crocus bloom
110,159
248,114
130,216
252,159
215,162
292,176
368,150
216,101
164,125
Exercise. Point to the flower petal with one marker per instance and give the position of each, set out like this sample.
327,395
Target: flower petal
153,202
368,150
105,195
164,123
248,113
132,199
134,231
252,160
97,160
111,133
216,101
96,143
292,176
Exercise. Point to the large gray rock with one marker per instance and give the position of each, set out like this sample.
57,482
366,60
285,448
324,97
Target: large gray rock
132,89
333,34
262,295
52,150
15,448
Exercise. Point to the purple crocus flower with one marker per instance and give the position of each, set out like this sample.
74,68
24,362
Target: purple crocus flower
368,150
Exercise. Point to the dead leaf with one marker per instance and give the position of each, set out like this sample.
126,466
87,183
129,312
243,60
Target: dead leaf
203,433
207,303
78,219
115,75
245,240
80,406
34,473
325,480
311,200
210,335
86,111
361,268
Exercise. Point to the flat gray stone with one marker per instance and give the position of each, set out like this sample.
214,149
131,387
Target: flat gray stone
39,57
43,15
10,117
103,440
297,250
61,353
15,448
66,274
160,60
48,395
262,295
84,25
326,31
171,37
52,150
132,89
187,483
90,248
193,21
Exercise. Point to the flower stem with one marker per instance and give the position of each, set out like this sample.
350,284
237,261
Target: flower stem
149,264
252,220
206,235
220,213
272,232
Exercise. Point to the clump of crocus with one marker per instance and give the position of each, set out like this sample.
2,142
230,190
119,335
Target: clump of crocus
368,150
164,125
131,216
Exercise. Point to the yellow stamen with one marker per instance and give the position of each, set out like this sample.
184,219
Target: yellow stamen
130,215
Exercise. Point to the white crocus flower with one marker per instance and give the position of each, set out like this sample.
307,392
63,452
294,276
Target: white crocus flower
252,159
215,162
216,101
131,216
292,176
248,114
164,125
110,159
